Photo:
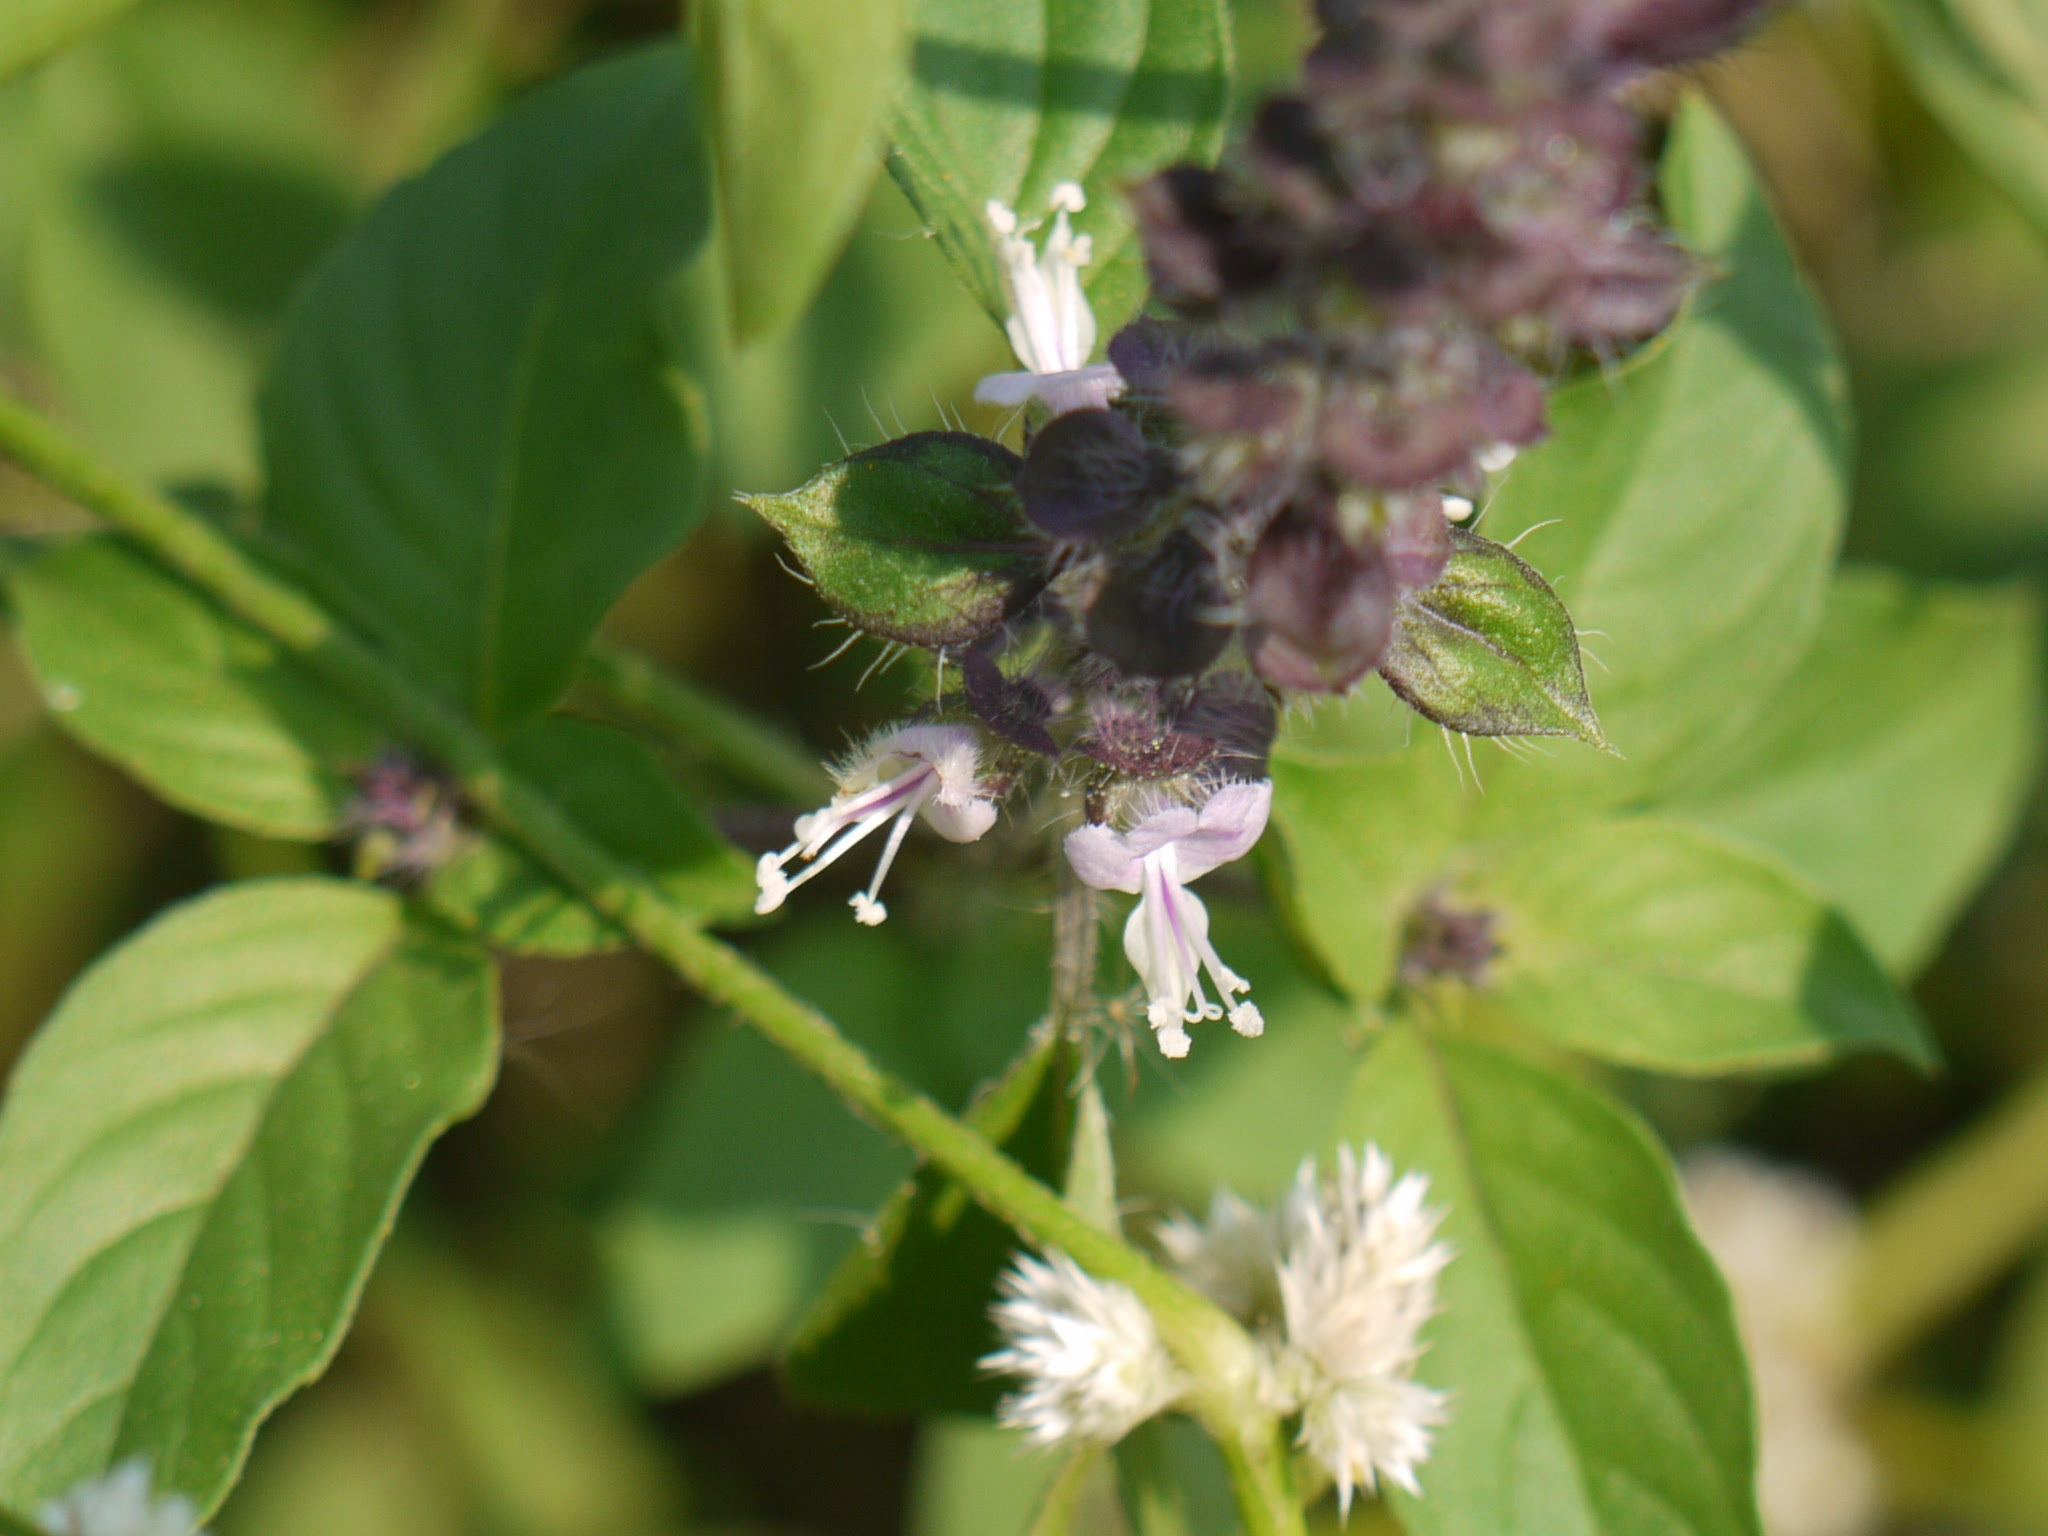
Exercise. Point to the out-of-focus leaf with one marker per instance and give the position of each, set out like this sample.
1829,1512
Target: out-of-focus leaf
1236,1112
199,1158
795,92
185,179
32,29
1172,1482
547,1440
920,540
751,1181
1363,839
1652,943
1891,766
1982,67
1006,100
1598,1385
1487,649
212,716
903,1321
974,1478
1700,573
617,792
473,438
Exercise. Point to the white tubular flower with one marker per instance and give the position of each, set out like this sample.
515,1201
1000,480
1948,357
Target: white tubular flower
1785,1241
932,771
121,1504
1087,1351
1052,329
1167,937
1358,1271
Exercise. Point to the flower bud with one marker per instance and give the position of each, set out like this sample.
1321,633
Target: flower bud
1091,477
1155,615
1655,34
1319,610
1444,402
1016,709
1417,541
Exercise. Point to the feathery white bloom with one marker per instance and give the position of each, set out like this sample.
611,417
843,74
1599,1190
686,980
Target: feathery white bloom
1336,1286
1087,1351
1785,1242
933,771
1230,1258
1051,327
1358,1271
121,1504
1167,937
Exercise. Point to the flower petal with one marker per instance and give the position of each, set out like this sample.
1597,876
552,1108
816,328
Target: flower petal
1230,824
1103,859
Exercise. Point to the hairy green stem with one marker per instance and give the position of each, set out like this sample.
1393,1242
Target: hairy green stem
1205,1338
632,686
1946,1231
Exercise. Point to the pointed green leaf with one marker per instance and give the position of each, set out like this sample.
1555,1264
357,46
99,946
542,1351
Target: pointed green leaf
1008,98
199,1157
796,93
1890,767
1597,1382
474,438
1488,650
1654,943
618,793
919,540
212,716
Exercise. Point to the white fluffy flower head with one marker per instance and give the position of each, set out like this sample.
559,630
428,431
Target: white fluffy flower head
1086,1350
1167,937
1051,327
1337,1284
933,771
121,1504
1785,1241
1358,1271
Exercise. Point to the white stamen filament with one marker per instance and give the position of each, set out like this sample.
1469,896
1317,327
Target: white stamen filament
1051,326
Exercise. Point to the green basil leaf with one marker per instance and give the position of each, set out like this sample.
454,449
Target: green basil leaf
212,716
1009,98
200,1156
796,92
474,437
1890,768
1659,945
1598,1384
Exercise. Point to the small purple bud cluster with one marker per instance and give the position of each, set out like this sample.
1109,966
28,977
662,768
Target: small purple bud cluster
405,818
1364,304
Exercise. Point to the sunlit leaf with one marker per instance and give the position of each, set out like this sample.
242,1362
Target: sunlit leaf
1982,67
211,715
33,29
473,435
1007,100
1597,1384
199,1157
1648,942
796,92
1889,768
